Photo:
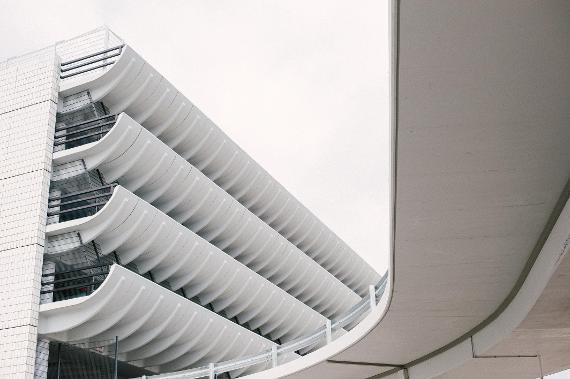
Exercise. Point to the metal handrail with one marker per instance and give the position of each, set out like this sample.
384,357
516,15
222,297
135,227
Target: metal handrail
88,62
94,205
93,197
365,306
60,128
74,278
93,194
93,55
81,285
88,131
100,132
77,269
82,279
83,192
87,70
83,130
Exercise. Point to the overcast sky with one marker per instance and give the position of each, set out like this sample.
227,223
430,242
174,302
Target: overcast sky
302,86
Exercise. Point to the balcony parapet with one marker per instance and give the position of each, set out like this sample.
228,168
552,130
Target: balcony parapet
158,329
139,161
140,234
133,86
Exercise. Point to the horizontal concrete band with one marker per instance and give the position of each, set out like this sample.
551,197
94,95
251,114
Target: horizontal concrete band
131,85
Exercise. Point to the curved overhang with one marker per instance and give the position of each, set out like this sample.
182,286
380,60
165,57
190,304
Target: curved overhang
477,346
132,86
481,171
157,328
140,162
143,235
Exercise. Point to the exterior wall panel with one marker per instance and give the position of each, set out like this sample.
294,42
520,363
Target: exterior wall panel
28,103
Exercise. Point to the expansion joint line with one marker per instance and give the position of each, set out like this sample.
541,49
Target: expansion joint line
395,367
537,356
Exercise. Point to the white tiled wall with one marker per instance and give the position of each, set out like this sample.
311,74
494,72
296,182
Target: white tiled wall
29,87
26,139
28,102
28,80
17,351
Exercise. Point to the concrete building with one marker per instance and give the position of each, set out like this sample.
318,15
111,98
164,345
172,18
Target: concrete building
197,264
138,239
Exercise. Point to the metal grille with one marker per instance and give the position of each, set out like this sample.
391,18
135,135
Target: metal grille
79,196
81,133
77,282
75,273
79,204
89,360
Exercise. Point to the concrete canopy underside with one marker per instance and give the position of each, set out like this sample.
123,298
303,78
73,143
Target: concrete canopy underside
481,166
545,331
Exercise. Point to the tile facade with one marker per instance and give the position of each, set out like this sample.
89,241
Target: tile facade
28,104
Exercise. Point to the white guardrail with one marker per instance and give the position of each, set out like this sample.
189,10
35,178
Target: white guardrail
346,322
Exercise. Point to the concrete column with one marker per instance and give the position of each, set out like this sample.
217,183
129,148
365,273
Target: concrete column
28,102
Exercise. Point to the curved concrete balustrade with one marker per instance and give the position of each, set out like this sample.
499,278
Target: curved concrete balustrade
157,328
481,182
131,85
143,235
140,162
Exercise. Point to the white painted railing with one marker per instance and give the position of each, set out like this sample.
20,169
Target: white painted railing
346,322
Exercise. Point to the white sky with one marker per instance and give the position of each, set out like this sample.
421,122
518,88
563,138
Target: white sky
302,86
